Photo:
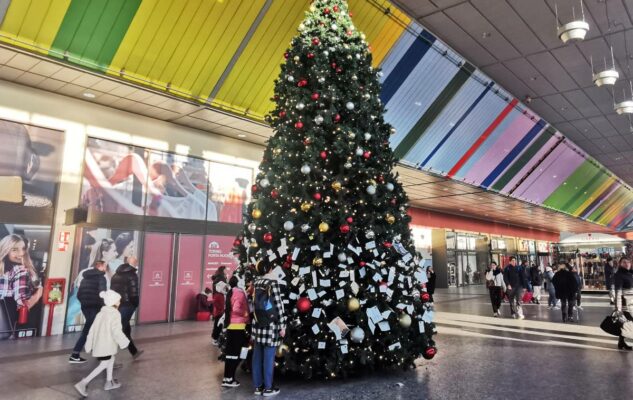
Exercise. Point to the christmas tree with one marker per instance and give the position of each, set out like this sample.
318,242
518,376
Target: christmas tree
330,214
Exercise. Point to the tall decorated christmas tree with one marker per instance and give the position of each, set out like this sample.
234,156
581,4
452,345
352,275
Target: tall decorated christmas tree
331,216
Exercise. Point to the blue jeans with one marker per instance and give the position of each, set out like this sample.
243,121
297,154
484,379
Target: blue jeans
551,301
90,313
263,365
127,311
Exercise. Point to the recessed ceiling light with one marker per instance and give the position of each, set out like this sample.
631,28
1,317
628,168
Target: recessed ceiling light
534,78
485,35
241,135
89,95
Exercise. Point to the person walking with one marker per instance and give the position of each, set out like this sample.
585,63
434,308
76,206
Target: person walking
623,285
430,284
565,284
496,286
93,283
269,328
218,302
236,317
548,276
103,341
536,277
609,272
516,283
580,285
125,283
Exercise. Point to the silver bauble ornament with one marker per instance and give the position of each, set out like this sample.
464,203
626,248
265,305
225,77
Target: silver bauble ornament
389,186
359,151
370,234
367,136
318,120
264,183
305,228
366,96
349,105
351,135
357,335
321,79
326,53
342,257
371,189
290,78
405,320
296,58
305,169
300,106
334,27
252,227
348,165
354,78
288,226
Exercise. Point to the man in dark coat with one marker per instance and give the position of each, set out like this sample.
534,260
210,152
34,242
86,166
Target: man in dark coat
515,279
92,283
125,283
566,287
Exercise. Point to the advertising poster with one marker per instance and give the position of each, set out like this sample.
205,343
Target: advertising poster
110,245
30,164
218,253
230,190
23,264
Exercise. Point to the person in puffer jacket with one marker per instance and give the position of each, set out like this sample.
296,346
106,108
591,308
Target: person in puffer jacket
236,317
93,283
125,283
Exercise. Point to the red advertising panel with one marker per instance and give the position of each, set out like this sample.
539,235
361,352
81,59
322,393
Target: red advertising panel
188,279
218,252
157,259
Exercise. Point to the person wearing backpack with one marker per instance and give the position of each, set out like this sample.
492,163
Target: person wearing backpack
536,277
268,330
236,317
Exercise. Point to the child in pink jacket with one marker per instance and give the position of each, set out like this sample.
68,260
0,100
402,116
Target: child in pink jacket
237,316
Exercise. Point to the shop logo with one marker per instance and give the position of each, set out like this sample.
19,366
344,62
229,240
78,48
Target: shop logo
157,276
214,245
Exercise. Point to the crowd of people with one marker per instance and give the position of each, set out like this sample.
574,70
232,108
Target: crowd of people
520,284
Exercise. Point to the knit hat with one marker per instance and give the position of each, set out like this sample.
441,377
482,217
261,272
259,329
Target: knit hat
110,297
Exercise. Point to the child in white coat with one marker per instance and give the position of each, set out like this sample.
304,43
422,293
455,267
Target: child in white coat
104,339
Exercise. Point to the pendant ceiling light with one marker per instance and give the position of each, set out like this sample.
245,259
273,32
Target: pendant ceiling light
625,106
573,30
608,76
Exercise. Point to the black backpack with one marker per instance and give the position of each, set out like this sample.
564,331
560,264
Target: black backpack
266,312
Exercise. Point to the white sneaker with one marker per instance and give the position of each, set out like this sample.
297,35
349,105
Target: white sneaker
556,308
111,385
81,388
521,316
580,308
495,315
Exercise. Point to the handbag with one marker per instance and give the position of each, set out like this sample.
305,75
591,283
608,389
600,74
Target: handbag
611,325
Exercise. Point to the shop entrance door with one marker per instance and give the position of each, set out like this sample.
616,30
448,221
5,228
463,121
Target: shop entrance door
466,268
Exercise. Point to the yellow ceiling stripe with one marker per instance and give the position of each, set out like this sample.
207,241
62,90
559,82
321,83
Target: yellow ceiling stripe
595,195
618,202
33,25
251,81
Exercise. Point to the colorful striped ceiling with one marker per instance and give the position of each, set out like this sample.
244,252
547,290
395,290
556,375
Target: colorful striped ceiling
450,118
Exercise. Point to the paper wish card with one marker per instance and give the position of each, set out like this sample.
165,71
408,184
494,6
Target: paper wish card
338,327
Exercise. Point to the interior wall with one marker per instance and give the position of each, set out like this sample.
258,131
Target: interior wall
80,119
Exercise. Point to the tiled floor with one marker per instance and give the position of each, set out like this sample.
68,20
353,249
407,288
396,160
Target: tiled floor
479,357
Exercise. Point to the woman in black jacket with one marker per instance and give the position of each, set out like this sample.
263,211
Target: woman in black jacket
565,284
623,283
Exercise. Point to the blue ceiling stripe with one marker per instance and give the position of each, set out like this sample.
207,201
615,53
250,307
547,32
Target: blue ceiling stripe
513,154
454,128
407,63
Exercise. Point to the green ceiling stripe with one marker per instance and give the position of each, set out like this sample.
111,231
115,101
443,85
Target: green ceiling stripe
92,30
524,159
434,110
590,187
4,6
561,195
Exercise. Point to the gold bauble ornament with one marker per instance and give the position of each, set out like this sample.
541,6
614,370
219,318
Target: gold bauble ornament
324,227
353,304
390,218
405,320
256,213
336,185
317,261
254,245
305,207
281,351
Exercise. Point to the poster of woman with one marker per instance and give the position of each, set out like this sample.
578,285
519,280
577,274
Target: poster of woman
97,244
23,263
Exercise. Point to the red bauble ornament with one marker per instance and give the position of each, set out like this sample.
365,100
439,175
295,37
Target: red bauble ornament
424,296
326,10
366,155
344,228
350,33
304,305
337,118
268,237
315,96
351,14
299,125
335,8
302,83
339,70
237,242
429,353
362,263
323,155
274,193
282,114
387,244
286,55
316,196
350,220
315,41
333,65
289,258
254,188
310,55
287,265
